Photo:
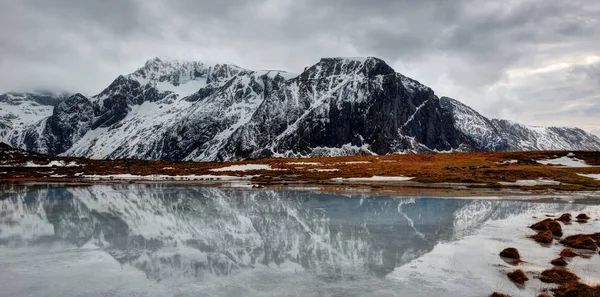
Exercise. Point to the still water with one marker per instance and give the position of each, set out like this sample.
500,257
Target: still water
161,240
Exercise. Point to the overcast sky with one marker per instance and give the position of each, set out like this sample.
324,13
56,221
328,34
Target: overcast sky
533,61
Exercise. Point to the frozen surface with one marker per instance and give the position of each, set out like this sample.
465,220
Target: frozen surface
567,161
305,163
247,167
473,260
531,182
159,177
164,240
375,178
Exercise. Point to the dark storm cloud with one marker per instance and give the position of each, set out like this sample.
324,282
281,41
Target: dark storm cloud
533,61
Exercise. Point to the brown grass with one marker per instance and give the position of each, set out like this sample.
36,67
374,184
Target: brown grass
496,294
426,168
580,241
558,275
511,253
518,276
548,225
576,289
595,237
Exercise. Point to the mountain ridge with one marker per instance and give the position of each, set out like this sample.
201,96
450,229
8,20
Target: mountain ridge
190,110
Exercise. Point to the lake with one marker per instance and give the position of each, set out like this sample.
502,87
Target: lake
176,240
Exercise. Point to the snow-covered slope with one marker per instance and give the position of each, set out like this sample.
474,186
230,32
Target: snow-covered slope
525,138
475,126
500,135
182,110
20,112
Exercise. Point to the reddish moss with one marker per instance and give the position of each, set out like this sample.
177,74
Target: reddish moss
511,253
559,262
582,216
548,225
576,289
595,237
568,253
580,241
543,295
558,275
496,294
518,276
543,237
565,217
581,221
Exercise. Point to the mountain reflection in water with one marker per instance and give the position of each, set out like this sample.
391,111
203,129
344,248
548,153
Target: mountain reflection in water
199,234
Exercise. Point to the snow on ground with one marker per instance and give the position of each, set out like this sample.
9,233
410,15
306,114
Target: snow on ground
594,176
565,161
160,177
53,163
357,162
305,163
374,178
246,167
324,169
531,182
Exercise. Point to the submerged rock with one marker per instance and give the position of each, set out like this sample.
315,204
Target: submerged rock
511,253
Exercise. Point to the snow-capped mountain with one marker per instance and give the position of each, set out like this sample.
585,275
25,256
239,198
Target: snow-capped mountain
19,111
183,110
527,138
500,135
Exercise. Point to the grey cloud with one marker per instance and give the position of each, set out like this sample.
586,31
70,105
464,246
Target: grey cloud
466,49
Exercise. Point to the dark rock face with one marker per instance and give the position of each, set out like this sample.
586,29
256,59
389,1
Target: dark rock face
71,119
341,102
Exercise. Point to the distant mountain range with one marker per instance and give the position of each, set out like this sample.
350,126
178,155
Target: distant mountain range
179,110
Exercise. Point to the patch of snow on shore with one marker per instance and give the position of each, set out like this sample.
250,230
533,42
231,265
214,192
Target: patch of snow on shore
594,176
565,161
246,167
161,177
324,169
532,182
305,163
374,178
53,163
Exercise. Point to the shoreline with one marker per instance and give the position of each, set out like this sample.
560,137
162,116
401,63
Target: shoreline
411,190
487,172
